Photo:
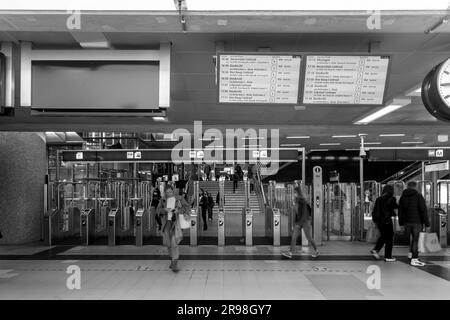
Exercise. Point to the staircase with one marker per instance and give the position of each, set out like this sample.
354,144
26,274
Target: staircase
234,202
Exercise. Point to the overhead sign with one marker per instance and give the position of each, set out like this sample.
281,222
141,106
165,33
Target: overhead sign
439,166
258,78
340,79
409,154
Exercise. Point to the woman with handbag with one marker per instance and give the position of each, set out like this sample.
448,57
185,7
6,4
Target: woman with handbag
170,208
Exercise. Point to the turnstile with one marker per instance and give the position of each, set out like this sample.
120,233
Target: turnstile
276,227
113,226
221,227
439,225
49,217
87,226
138,225
193,229
247,226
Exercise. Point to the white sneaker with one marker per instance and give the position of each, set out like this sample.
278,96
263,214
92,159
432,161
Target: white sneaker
287,254
417,263
315,254
390,259
375,254
409,255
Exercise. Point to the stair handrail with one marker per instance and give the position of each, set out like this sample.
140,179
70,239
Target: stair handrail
410,168
260,186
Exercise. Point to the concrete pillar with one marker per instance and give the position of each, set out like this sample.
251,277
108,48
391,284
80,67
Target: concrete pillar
23,166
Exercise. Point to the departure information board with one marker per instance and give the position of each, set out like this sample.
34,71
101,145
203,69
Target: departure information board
258,78
340,79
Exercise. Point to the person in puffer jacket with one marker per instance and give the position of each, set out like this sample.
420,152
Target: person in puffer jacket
413,214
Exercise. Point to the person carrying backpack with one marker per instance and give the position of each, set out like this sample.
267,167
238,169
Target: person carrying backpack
413,215
382,214
302,221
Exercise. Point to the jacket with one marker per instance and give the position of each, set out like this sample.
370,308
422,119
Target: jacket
383,209
156,196
302,212
412,208
181,206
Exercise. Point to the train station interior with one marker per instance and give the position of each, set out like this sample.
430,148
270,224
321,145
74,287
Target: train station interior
108,112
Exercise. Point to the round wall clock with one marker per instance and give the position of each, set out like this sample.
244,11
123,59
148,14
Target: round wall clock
436,91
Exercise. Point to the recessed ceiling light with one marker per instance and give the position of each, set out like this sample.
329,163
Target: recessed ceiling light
290,145
210,139
442,138
392,135
298,137
318,150
160,119
411,142
395,105
161,19
371,143
222,22
345,136
330,144
95,45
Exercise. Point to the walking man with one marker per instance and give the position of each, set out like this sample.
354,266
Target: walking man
413,215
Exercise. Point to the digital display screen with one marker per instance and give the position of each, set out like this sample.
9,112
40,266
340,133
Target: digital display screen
340,79
259,78
95,85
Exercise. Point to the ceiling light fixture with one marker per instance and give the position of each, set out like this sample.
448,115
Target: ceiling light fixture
160,119
392,135
345,136
330,144
290,145
298,137
318,150
394,105
411,142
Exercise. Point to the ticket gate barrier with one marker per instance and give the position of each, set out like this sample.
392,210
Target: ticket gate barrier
113,226
87,226
139,227
276,227
439,225
221,227
247,226
49,225
193,229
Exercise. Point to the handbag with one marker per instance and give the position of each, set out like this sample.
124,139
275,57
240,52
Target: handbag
185,221
372,233
428,242
178,233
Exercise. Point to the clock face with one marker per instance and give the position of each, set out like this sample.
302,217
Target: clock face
443,82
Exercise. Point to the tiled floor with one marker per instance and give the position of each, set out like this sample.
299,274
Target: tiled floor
209,272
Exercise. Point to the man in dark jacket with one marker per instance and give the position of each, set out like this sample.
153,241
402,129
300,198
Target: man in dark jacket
204,207
210,206
382,214
413,214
